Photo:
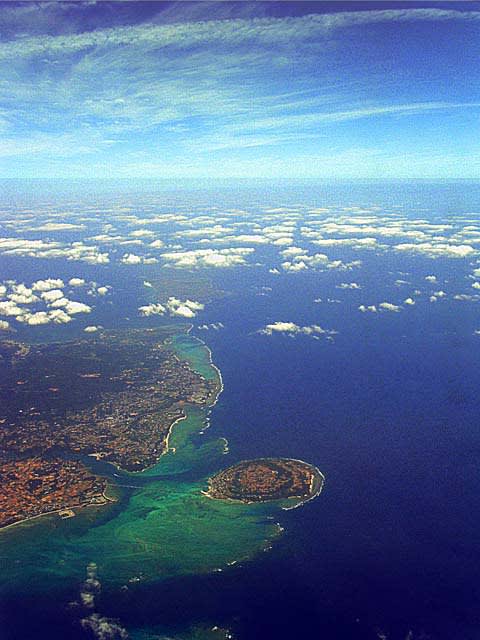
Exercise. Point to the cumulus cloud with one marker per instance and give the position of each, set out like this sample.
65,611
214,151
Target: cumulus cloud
141,233
466,297
291,329
153,309
52,295
215,326
349,285
197,258
4,325
59,226
388,306
97,625
58,316
72,307
185,309
317,261
22,294
131,258
33,319
431,278
371,308
409,301
49,283
76,282
437,250
10,308
157,244
92,329
45,249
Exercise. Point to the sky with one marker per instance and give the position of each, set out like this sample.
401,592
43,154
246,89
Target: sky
225,90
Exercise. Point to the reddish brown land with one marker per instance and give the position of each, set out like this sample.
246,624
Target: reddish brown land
266,479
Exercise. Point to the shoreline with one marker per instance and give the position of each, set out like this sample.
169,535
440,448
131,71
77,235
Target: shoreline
207,408
69,507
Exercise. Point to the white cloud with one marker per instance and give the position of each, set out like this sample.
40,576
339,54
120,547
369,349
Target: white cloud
9,308
436,250
91,329
466,297
291,329
222,258
349,285
409,301
4,325
153,309
102,291
431,278
76,282
388,306
42,249
49,283
59,226
38,318
58,316
215,326
71,306
22,295
367,309
185,309
52,295
141,233
131,258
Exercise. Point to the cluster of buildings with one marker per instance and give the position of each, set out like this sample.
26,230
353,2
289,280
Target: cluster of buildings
128,391
35,486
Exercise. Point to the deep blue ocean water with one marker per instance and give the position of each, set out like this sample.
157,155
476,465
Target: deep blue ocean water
388,411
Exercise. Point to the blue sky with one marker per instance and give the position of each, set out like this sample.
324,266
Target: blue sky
239,90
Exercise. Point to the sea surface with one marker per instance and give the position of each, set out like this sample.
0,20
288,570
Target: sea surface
387,408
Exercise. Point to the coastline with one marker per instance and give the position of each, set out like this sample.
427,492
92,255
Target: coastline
207,407
317,478
106,498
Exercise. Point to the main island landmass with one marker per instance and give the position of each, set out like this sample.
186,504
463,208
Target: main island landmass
114,397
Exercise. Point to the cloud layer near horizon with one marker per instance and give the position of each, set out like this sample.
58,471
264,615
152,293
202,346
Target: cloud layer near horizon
180,93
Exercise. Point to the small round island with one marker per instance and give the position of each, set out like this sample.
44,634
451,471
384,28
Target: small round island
267,479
